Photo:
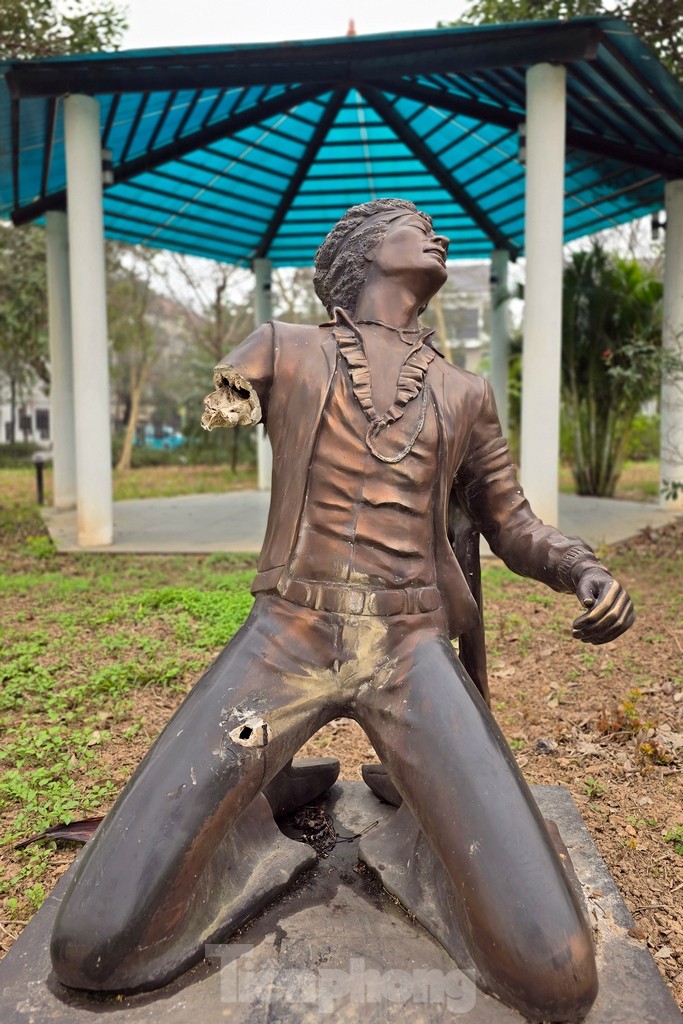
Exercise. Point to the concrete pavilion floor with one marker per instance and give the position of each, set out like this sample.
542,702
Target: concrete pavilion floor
205,523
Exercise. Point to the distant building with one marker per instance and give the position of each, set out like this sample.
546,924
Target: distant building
31,414
461,314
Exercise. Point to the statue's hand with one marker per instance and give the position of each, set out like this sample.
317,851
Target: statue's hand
610,611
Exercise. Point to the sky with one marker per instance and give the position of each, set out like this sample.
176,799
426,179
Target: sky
198,22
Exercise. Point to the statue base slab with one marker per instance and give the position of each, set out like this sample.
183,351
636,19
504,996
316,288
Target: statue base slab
336,946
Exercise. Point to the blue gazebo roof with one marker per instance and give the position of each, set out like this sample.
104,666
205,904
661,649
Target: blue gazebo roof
235,152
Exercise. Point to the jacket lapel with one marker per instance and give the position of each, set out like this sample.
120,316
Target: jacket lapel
329,347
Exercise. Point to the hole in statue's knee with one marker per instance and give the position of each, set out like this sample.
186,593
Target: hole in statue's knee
253,732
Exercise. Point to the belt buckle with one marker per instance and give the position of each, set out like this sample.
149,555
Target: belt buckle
355,602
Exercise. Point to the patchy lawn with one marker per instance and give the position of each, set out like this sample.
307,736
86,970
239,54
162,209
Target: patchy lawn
19,485
638,482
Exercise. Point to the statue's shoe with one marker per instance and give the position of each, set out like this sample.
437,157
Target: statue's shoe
376,777
300,782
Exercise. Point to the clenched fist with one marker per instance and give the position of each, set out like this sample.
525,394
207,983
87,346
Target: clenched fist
609,609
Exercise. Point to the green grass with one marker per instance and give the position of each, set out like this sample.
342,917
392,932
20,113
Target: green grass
18,485
675,836
73,662
639,481
97,652
496,579
172,481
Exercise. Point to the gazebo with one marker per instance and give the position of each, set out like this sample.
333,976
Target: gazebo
515,138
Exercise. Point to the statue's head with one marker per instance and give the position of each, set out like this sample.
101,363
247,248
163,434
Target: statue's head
341,262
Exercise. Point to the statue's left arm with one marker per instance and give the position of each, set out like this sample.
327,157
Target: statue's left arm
243,381
488,488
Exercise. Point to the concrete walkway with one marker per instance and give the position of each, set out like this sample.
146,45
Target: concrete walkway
203,523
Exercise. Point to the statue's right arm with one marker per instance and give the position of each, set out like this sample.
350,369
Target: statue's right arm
496,504
243,380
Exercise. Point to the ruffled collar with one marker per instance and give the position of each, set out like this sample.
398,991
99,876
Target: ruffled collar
410,381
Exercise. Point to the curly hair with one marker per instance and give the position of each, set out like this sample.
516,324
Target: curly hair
340,264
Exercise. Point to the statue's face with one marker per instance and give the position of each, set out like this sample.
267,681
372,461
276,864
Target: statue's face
410,248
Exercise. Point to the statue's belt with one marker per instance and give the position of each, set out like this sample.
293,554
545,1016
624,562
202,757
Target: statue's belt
350,601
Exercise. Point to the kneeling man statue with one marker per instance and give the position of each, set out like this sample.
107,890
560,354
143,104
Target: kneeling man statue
388,462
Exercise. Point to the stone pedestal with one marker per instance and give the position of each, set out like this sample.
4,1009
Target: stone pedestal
337,947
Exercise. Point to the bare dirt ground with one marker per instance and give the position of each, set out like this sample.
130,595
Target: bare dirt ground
605,722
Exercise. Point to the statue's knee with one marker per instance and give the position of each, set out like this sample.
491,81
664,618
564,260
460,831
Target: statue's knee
84,952
560,986
71,959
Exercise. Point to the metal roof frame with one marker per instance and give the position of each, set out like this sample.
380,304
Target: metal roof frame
207,140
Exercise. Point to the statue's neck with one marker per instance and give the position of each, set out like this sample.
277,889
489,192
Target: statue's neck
389,304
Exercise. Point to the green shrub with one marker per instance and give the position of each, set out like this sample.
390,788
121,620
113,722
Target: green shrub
612,360
643,439
18,453
218,448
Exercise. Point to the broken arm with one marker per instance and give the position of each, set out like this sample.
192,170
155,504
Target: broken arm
234,403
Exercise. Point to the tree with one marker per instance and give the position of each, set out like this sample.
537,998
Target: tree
48,28
131,335
23,313
218,316
222,311
658,22
612,360
39,28
294,298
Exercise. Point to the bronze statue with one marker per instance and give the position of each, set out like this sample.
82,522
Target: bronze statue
387,463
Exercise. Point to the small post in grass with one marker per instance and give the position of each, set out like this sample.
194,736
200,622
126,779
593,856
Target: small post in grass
39,459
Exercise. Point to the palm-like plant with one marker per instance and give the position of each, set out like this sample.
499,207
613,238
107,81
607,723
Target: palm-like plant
611,360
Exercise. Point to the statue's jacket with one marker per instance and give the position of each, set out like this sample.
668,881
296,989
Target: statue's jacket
287,371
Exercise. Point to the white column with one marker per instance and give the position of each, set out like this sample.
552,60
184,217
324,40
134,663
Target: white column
541,360
671,461
263,311
500,333
62,424
89,321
